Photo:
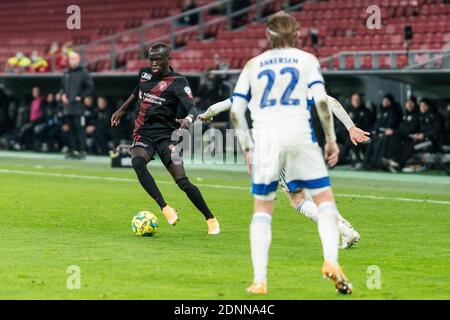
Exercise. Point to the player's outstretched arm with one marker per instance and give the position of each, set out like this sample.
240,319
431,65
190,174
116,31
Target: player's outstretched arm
215,109
115,118
356,134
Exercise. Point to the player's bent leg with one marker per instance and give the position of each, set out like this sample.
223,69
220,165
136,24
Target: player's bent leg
260,240
196,197
329,235
304,204
140,158
349,236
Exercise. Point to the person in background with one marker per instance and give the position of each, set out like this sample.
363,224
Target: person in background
90,117
387,122
102,133
65,137
191,19
362,117
429,135
62,56
6,121
408,127
53,56
51,128
446,117
18,64
241,19
38,63
36,116
76,84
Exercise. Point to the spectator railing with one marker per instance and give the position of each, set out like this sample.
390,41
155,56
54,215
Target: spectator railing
415,59
434,60
166,29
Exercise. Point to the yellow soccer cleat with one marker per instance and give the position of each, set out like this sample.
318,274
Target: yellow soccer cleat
170,214
335,274
213,226
258,288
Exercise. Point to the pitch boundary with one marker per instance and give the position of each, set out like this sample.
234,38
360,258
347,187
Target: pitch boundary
216,186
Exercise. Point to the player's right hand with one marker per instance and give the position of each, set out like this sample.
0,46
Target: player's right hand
331,153
115,118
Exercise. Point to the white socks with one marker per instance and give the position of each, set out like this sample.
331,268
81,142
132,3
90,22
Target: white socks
328,231
309,209
260,239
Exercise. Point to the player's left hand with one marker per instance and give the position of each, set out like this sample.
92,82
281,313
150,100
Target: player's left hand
358,136
248,160
184,123
205,118
331,153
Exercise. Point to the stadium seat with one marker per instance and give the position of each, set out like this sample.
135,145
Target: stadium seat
429,21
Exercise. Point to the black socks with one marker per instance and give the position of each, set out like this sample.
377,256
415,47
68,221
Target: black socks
147,181
195,196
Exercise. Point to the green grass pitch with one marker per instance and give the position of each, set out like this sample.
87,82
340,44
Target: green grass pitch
56,213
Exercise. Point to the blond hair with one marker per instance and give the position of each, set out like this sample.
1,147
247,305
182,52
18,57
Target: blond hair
282,29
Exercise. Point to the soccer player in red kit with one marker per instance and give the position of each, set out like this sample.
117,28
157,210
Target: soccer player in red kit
160,91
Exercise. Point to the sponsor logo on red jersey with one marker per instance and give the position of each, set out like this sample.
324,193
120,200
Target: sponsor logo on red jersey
162,86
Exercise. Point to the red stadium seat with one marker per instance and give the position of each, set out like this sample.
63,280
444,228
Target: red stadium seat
341,25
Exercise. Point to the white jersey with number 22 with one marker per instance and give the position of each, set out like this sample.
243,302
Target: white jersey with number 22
276,84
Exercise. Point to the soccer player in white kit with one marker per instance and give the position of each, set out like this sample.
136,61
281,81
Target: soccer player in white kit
275,86
302,202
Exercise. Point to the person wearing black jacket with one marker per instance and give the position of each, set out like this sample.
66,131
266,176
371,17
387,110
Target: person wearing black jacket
76,84
191,19
387,123
90,118
47,132
430,129
102,134
362,117
409,125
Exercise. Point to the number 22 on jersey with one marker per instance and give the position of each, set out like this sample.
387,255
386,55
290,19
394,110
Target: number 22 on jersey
286,97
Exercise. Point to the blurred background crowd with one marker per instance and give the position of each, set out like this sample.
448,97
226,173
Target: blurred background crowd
38,62
399,134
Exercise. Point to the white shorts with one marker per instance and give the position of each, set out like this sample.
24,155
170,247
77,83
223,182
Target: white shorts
301,166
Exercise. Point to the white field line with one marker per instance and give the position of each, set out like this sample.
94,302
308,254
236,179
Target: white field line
217,186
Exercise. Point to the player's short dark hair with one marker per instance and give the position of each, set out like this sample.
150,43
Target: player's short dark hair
159,45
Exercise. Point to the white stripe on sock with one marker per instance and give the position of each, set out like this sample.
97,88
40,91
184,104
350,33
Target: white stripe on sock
308,209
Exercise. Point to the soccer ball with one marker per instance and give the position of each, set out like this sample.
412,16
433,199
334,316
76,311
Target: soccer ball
144,223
